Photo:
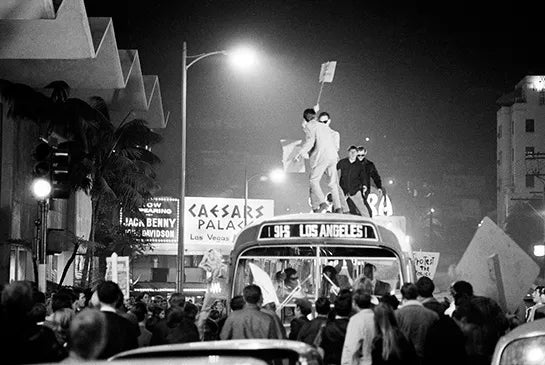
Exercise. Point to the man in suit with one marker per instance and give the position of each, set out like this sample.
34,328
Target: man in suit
322,145
311,330
302,309
369,172
379,287
121,333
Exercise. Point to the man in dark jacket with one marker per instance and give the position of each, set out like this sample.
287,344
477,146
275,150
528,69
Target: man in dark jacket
335,330
249,322
352,176
122,334
302,310
161,330
370,172
310,330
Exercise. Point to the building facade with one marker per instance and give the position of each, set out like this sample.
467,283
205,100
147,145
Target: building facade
521,145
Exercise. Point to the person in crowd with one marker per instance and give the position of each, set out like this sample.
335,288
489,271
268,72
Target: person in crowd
23,340
291,284
87,335
122,334
390,346
335,331
352,179
537,311
360,332
471,321
181,324
370,173
445,342
302,309
322,145
391,300
379,287
311,332
211,328
140,312
160,329
270,309
494,322
425,287
82,299
59,322
414,319
249,322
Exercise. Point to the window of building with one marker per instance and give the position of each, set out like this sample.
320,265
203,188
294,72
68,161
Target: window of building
499,131
530,125
542,97
529,181
529,151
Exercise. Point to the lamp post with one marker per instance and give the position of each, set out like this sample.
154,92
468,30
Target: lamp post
41,189
276,176
241,56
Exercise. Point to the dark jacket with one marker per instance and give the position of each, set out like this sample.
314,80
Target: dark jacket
351,177
295,326
414,321
248,323
434,305
370,172
121,335
333,340
445,343
407,353
184,331
309,331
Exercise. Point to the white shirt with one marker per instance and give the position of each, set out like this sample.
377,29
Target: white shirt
359,339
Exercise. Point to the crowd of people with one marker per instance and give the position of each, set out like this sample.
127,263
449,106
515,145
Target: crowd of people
355,328
348,179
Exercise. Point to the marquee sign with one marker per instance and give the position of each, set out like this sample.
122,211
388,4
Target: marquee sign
319,230
160,222
214,222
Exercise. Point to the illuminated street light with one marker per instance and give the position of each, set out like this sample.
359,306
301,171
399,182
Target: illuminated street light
41,188
277,176
391,182
539,250
432,210
242,57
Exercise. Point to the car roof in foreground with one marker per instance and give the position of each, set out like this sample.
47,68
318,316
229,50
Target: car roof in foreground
526,330
190,360
229,345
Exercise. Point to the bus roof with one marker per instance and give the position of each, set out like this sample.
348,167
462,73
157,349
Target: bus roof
249,237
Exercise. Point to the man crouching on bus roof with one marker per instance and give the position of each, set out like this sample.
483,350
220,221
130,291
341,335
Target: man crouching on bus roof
322,145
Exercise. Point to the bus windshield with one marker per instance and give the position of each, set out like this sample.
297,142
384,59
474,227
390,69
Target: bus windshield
313,271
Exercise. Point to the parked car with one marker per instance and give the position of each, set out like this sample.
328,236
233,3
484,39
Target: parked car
271,351
525,345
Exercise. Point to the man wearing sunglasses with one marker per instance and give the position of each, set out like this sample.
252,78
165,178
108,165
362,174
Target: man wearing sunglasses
370,172
322,145
352,176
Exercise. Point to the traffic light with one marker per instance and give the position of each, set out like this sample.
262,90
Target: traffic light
42,154
60,172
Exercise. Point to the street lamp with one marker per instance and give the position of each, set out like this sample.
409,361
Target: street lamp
41,189
276,176
240,56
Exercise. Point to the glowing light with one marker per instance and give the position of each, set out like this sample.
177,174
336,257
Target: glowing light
432,210
535,355
539,250
41,188
243,57
367,139
277,176
391,182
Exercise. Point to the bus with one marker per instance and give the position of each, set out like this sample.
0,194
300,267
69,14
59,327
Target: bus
316,255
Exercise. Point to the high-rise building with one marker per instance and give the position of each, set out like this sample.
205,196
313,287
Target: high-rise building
521,145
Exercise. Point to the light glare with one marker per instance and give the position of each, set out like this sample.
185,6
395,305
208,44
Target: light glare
243,57
277,176
41,188
539,250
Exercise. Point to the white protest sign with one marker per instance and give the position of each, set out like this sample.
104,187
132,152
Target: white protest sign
327,72
117,270
425,263
290,149
214,222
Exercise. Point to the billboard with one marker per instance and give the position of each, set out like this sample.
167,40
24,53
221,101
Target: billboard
214,222
159,224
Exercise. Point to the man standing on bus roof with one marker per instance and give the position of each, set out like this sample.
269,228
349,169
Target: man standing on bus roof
370,172
322,144
351,181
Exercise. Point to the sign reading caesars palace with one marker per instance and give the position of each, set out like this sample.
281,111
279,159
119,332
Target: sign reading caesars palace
214,222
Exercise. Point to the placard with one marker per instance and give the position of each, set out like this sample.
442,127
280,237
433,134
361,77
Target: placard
425,263
117,270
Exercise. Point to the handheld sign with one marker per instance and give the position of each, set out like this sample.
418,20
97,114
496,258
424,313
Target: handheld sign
425,263
327,72
319,230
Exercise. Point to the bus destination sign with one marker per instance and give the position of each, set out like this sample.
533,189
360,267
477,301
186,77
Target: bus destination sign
318,230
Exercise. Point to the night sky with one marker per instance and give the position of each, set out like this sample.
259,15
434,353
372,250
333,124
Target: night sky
420,81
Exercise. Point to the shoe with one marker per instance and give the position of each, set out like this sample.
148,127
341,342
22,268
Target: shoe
338,210
323,208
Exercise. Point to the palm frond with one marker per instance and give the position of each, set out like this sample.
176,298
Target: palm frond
137,133
25,103
101,189
99,104
60,91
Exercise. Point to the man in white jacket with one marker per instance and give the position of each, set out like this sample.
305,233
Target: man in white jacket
360,332
321,144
